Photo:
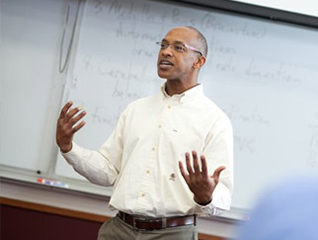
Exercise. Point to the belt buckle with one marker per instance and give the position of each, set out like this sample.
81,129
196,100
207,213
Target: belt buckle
138,219
163,222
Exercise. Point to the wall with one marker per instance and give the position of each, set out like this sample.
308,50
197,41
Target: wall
309,7
22,223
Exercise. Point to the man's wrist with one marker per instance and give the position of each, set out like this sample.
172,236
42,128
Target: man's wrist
203,202
66,149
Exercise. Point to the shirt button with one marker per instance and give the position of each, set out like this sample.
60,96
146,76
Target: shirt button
148,171
169,106
153,148
142,194
159,126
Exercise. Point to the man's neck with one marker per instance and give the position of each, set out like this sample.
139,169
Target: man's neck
173,87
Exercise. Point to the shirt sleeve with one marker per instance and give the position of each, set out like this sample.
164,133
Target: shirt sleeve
100,167
219,152
92,165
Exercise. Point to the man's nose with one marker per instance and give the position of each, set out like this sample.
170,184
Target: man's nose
167,51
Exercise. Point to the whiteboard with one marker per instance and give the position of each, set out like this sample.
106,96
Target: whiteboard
263,75
30,85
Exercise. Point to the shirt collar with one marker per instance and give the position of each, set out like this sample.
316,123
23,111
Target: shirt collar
189,94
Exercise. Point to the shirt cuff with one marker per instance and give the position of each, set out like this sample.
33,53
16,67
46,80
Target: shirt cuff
73,155
205,210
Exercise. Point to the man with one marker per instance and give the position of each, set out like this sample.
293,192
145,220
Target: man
162,153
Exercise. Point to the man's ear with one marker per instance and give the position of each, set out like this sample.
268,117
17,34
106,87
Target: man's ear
200,62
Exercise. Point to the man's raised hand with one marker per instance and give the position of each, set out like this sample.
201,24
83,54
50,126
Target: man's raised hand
200,183
68,123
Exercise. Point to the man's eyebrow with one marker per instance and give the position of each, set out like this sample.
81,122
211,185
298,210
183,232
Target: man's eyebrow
175,42
179,42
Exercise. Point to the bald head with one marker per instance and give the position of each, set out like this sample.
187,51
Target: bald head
201,39
195,37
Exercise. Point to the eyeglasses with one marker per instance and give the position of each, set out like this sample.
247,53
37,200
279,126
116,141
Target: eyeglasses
178,47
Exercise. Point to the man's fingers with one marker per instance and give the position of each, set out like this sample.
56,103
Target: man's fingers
188,162
78,126
204,166
72,112
78,117
69,121
65,109
217,172
68,113
196,165
183,172
74,122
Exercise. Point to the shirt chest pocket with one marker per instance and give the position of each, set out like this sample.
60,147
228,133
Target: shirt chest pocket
186,137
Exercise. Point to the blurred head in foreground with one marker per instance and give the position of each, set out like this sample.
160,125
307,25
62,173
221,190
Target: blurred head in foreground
287,211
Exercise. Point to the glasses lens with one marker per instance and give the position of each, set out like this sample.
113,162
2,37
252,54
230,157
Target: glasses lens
178,47
162,45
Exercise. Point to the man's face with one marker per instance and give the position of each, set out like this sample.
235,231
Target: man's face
174,65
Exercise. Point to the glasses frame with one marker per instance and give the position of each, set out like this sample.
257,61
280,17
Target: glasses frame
186,46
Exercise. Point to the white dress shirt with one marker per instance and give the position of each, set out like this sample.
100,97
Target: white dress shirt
140,158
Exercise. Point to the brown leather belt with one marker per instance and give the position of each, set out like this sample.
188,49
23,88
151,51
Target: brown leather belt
145,223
